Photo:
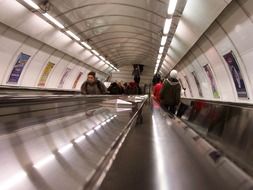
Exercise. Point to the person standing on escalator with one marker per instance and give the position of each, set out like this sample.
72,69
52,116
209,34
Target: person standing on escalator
92,85
170,93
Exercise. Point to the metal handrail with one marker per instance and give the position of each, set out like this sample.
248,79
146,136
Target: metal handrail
97,178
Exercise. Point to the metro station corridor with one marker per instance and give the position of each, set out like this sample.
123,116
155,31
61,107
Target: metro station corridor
79,107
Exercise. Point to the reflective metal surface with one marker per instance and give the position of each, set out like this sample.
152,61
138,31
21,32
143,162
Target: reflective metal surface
58,143
154,156
228,126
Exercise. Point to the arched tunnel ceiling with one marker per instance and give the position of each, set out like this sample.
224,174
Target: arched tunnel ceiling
123,31
129,31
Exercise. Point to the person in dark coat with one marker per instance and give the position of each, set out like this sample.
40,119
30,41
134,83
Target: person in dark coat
114,89
170,93
93,85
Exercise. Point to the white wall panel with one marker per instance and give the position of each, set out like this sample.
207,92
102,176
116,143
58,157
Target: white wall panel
71,75
220,73
55,58
33,69
247,7
238,27
3,29
57,72
20,18
199,62
188,72
83,77
8,52
184,73
30,47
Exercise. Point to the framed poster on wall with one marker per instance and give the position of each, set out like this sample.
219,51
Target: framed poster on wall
63,78
209,73
182,87
45,74
197,83
187,81
236,74
18,68
77,79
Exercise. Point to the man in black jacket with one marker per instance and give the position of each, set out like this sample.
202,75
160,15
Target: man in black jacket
92,85
170,93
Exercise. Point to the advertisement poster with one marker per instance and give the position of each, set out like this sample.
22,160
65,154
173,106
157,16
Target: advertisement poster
63,78
45,74
77,79
236,74
187,81
197,83
212,81
182,87
18,68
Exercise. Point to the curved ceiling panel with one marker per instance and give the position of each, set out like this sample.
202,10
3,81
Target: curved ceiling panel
123,31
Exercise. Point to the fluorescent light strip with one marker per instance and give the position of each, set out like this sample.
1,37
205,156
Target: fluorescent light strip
95,52
79,139
86,45
159,56
12,181
32,4
163,41
104,123
167,25
172,7
53,20
73,35
65,148
43,162
101,57
97,127
90,132
161,49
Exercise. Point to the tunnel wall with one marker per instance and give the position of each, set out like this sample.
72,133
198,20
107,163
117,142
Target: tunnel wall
14,43
22,31
227,48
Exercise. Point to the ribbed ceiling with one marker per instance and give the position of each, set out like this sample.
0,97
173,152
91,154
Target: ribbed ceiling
123,31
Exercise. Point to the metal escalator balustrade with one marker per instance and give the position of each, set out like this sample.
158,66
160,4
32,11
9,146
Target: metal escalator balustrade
64,151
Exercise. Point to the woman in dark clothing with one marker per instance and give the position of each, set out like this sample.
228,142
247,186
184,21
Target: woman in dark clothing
170,93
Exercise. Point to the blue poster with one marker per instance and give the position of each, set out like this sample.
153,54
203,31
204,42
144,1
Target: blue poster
236,74
18,68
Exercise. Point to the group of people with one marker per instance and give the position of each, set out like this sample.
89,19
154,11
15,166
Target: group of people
167,92
94,86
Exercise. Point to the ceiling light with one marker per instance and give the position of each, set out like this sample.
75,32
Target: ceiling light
86,45
95,52
101,57
163,41
167,24
172,6
73,35
161,49
159,56
53,20
32,4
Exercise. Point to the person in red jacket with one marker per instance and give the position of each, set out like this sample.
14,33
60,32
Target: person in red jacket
156,90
